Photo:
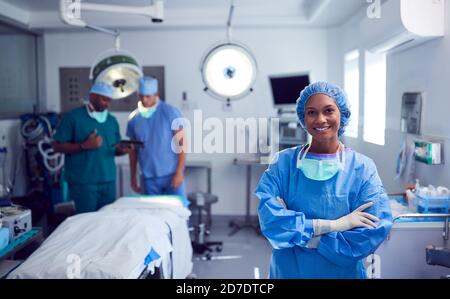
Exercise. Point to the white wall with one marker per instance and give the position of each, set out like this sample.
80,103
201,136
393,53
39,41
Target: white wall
17,72
423,68
281,50
18,90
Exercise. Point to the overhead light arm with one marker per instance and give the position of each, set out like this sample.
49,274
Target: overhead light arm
230,17
114,33
66,9
155,11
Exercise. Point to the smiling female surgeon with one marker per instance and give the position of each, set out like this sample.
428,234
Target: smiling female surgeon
322,205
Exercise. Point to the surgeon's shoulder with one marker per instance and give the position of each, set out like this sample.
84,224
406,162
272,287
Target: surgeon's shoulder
362,163
75,111
285,157
133,115
111,117
74,114
165,106
172,110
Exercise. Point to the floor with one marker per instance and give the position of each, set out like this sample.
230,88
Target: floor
246,254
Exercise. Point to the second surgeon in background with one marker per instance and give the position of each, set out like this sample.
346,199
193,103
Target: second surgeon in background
322,205
161,160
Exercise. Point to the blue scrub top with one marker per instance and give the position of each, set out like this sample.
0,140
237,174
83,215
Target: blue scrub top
338,254
156,158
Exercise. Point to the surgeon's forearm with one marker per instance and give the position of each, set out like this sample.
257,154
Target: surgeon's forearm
179,136
120,151
67,148
181,162
133,164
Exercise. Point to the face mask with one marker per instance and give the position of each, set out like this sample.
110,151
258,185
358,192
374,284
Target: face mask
146,112
99,116
321,170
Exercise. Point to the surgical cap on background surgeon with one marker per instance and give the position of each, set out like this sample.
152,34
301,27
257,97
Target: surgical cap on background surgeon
103,89
330,90
148,86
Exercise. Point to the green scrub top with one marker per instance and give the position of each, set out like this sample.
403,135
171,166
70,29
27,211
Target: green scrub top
89,166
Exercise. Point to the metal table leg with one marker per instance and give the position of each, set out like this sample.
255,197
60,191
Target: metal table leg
236,225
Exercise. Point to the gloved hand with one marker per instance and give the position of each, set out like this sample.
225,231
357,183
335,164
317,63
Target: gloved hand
357,218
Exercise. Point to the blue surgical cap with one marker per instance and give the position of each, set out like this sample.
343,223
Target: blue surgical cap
103,89
148,86
330,90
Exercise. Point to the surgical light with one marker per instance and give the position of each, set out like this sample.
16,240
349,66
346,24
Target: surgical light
228,69
119,69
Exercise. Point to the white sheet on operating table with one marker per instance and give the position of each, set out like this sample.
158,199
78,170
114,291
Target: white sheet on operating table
176,217
110,243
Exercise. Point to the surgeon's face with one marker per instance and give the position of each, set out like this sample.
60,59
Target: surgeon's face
148,101
99,102
322,117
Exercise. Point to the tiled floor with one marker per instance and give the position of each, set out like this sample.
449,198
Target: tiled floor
252,249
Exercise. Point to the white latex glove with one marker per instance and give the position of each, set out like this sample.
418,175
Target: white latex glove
357,218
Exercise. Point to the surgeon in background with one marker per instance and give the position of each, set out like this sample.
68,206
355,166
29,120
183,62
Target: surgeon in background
161,159
89,137
322,205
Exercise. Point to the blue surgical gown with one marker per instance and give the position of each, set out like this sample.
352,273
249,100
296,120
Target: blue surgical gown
338,254
156,158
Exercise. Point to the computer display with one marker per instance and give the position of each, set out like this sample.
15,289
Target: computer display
286,88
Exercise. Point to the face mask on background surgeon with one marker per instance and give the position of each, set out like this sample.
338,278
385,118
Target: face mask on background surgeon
99,116
146,112
323,169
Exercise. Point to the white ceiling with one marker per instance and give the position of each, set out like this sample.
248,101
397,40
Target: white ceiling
43,14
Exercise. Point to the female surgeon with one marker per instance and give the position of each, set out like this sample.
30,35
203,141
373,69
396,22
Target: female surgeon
322,205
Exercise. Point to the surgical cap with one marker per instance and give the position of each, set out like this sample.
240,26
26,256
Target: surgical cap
148,86
103,89
330,90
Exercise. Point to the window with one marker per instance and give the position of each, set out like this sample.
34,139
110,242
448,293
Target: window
351,86
18,81
375,98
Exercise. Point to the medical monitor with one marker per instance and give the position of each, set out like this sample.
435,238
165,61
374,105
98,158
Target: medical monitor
286,88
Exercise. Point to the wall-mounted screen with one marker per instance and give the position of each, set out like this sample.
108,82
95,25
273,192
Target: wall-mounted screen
286,88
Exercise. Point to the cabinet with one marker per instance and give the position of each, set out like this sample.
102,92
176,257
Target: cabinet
403,254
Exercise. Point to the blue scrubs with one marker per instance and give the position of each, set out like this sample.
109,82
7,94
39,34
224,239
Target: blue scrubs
157,160
162,185
338,254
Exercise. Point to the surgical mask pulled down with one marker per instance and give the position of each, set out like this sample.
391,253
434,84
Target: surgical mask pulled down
321,169
99,116
146,112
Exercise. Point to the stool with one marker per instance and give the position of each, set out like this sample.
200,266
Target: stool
206,200
202,202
